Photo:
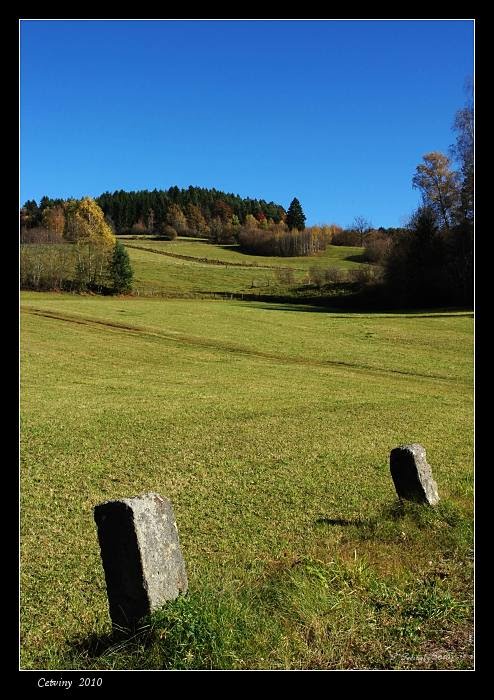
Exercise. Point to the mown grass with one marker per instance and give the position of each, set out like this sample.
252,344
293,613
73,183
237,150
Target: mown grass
161,274
269,428
343,257
241,273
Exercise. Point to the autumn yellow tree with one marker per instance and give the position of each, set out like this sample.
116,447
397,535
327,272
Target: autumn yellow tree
85,226
85,221
251,221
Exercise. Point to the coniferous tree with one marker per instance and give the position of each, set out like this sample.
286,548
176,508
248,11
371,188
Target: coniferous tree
121,270
295,217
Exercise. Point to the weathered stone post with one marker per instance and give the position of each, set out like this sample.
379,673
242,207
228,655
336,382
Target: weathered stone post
141,556
411,474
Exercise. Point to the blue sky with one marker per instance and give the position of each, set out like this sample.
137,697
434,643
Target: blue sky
335,113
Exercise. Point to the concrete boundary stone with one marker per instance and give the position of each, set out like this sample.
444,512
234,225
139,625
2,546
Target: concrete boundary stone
141,556
412,475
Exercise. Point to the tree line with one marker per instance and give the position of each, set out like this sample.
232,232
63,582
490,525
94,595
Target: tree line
192,211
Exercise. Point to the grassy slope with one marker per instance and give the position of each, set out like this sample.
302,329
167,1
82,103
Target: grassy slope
337,256
168,275
270,429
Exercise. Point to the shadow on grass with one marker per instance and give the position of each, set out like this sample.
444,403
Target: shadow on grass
340,521
443,526
359,258
389,511
143,647
421,514
331,306
104,646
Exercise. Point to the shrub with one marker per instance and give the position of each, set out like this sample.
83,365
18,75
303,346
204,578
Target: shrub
377,247
45,267
39,234
364,276
333,275
140,228
167,232
346,237
316,276
285,276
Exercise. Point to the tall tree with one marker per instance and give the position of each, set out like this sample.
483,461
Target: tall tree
31,213
53,219
85,226
439,185
295,217
362,226
196,220
222,210
414,268
176,218
463,152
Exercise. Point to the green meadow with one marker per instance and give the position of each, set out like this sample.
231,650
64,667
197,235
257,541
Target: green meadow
209,269
269,427
346,257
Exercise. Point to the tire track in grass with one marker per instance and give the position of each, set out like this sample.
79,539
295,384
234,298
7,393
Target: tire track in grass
232,348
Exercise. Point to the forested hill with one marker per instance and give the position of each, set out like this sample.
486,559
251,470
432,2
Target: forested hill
151,209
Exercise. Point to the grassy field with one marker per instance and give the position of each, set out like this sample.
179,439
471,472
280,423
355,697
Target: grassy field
344,257
269,427
161,273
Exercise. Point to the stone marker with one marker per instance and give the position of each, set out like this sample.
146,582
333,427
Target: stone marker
141,556
412,476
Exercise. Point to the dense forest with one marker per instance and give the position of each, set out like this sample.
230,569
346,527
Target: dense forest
194,209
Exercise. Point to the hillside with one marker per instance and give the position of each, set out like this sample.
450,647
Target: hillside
188,266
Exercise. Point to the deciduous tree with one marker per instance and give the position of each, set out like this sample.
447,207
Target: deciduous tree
176,218
463,152
85,222
53,219
361,226
196,220
251,221
85,225
223,211
439,185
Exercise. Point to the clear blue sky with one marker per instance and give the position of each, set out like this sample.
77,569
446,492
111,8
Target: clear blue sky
336,113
